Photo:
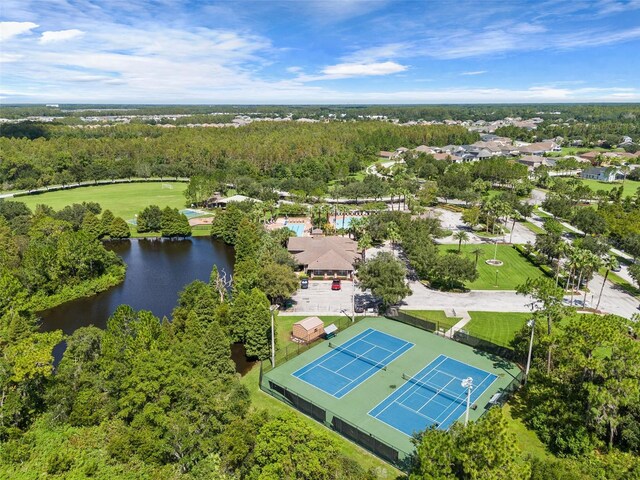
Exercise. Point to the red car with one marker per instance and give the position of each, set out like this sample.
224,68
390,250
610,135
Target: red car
335,285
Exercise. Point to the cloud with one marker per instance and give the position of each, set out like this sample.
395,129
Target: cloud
60,35
476,72
363,69
13,29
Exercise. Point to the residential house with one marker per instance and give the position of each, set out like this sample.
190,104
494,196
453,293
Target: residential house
325,256
602,174
540,148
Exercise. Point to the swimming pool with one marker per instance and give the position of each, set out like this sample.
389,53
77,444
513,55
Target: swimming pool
343,223
297,228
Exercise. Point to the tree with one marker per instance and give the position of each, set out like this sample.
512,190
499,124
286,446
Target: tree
485,449
106,219
634,271
548,304
278,282
92,225
471,216
477,252
149,220
174,224
363,244
451,271
119,229
384,275
289,449
461,236
589,221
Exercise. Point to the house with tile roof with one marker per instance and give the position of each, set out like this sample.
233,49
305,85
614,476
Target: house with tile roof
325,256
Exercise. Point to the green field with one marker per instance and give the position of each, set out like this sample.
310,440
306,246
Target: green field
123,199
497,327
630,186
515,271
437,316
534,228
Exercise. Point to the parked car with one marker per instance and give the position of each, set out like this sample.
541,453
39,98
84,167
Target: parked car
304,283
336,284
359,308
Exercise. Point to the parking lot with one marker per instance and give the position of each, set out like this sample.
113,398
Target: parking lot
319,298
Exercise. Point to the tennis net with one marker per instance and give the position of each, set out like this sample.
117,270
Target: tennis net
379,365
456,397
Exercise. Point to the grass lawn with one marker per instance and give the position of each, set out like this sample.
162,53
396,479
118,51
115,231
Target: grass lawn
284,325
534,228
263,401
123,199
515,271
497,327
435,316
630,186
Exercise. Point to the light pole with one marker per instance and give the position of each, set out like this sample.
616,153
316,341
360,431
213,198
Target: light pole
532,325
496,278
468,384
272,309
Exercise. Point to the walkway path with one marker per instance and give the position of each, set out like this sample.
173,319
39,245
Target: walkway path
465,318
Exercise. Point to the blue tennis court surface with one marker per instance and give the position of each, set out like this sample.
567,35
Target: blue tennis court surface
432,396
347,365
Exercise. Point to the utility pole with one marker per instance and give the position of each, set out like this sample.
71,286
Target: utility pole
273,308
468,384
531,324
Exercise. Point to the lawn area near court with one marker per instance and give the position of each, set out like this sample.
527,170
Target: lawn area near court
515,270
437,316
497,327
630,186
284,325
123,199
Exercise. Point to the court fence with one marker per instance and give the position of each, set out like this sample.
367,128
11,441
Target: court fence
292,350
397,457
480,343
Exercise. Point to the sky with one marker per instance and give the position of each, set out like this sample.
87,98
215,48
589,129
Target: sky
314,52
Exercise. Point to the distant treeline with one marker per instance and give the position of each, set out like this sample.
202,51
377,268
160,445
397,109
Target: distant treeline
62,155
579,112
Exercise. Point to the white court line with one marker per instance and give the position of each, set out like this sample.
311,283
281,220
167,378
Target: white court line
377,346
397,400
331,371
354,340
385,358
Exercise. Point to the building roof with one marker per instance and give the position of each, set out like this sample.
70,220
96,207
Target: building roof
324,253
424,149
310,323
538,147
239,199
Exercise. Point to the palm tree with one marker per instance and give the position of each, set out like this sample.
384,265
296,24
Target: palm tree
364,243
593,263
393,233
461,236
610,263
477,252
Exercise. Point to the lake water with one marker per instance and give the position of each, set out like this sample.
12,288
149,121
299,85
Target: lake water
157,270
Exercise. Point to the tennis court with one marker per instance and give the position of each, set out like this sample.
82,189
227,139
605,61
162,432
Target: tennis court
363,383
347,365
433,396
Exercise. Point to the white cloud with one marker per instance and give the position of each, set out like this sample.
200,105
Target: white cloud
13,29
60,35
475,72
344,70
294,69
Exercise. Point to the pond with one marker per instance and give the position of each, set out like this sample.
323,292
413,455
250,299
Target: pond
157,270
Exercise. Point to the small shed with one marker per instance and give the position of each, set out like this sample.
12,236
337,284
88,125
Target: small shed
308,330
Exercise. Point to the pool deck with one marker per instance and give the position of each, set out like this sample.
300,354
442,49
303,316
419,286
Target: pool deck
281,222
